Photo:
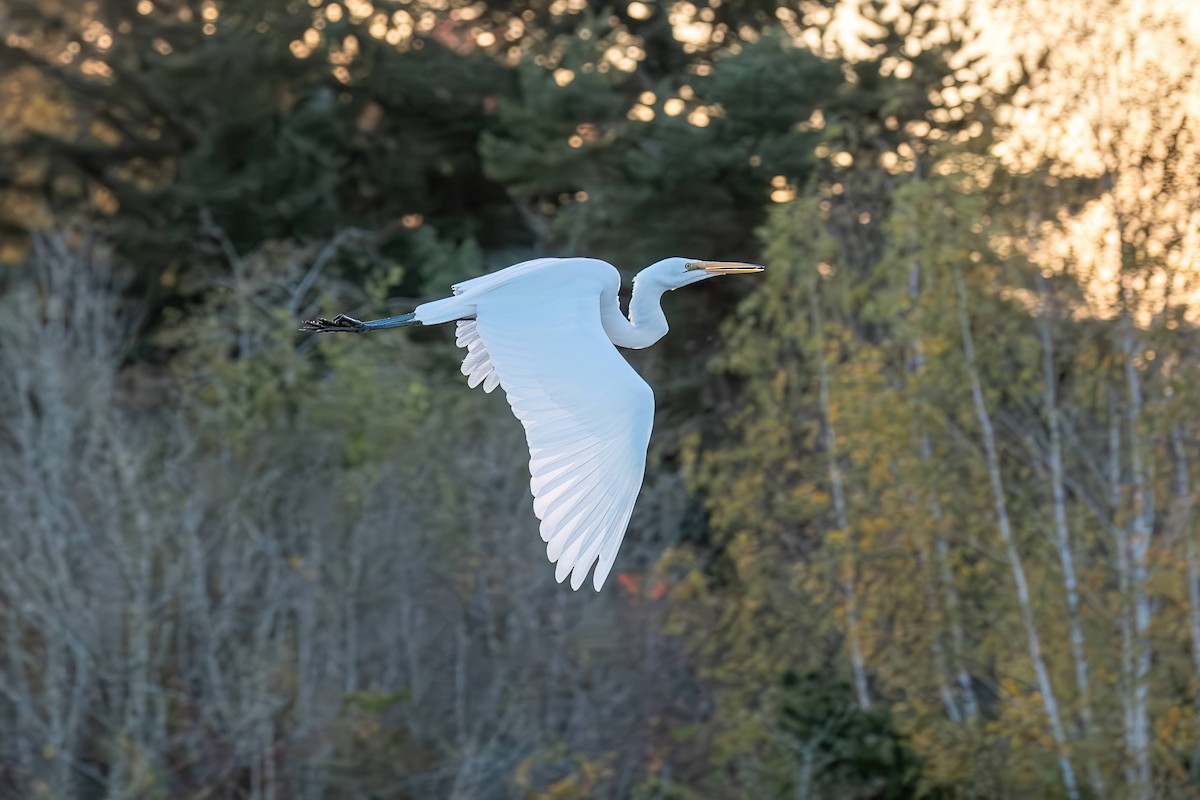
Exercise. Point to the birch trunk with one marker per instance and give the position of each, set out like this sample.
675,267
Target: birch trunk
1049,699
941,549
1125,620
940,661
837,488
1062,540
1139,551
1184,500
965,687
941,552
805,773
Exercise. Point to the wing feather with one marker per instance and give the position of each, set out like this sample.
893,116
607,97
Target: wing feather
477,366
574,480
572,509
581,537
587,415
466,334
576,458
588,545
479,376
567,540
563,547
612,543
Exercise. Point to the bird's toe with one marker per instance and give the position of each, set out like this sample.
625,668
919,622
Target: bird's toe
339,323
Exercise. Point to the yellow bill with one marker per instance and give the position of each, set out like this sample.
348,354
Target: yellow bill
725,267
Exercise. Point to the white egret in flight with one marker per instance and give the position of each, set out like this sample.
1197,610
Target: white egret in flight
544,331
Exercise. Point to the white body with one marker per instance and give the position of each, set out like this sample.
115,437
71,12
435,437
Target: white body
544,331
538,333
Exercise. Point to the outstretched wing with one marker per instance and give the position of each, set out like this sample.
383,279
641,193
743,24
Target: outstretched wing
587,414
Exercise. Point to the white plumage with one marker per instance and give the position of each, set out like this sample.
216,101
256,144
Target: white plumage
544,331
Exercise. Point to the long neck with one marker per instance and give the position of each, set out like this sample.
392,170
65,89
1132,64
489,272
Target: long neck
646,324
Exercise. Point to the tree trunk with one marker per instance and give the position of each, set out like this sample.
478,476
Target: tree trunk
1139,551
1184,502
805,773
1049,700
941,548
1062,540
965,686
940,662
847,575
1125,618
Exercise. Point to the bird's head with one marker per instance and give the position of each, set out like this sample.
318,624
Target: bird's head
672,273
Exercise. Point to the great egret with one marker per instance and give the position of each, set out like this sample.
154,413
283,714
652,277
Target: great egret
544,331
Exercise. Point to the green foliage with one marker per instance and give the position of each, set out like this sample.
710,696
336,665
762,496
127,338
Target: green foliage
841,748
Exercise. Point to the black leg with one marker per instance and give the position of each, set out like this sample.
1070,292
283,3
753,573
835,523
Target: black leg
339,323
351,325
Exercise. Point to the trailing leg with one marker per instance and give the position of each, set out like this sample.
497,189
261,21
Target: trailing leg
349,324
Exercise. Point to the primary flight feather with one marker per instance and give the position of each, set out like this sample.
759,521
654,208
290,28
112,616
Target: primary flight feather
544,331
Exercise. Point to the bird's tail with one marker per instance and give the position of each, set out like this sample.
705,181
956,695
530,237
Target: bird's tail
447,309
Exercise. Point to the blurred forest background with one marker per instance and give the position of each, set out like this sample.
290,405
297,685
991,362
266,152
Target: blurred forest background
918,520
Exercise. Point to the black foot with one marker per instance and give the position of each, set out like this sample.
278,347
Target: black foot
339,323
